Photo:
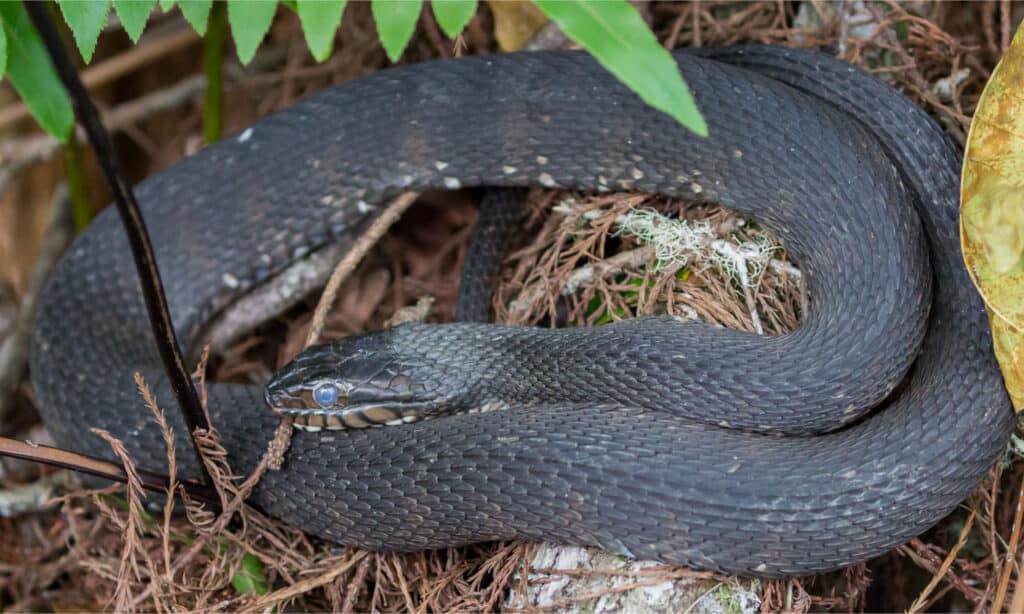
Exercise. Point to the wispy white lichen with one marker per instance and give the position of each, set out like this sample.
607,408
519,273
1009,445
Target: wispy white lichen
684,243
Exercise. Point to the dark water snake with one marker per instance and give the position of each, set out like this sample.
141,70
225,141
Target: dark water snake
652,437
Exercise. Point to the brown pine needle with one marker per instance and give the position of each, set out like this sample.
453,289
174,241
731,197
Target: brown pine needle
353,257
1011,554
946,564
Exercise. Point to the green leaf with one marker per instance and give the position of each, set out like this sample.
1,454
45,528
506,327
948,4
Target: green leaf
250,21
3,51
166,5
615,34
86,19
320,20
133,15
33,75
250,577
196,12
453,15
396,21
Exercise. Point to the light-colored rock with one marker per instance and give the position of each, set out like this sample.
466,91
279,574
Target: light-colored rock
596,582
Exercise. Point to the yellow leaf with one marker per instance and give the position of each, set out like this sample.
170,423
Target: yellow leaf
1009,351
992,211
515,22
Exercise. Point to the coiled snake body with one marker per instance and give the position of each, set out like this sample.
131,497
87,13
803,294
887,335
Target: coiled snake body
652,437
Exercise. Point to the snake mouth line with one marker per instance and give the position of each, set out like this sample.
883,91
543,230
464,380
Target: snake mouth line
358,416
361,416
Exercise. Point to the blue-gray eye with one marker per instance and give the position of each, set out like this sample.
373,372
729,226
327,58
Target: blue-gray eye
325,395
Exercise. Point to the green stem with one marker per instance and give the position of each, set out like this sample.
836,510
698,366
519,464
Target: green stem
74,174
213,66
71,153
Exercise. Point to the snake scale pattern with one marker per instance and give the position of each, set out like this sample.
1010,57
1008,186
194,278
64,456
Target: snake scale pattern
655,438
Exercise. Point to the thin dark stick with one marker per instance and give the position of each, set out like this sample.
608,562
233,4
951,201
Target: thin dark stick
131,217
81,463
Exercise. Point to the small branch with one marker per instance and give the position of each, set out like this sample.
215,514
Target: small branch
213,67
138,237
56,457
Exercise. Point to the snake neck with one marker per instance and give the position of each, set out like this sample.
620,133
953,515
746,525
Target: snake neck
473,367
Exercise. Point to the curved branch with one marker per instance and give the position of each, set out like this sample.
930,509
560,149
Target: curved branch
57,457
131,217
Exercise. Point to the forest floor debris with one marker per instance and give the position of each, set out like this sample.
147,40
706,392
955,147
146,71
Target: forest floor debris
105,549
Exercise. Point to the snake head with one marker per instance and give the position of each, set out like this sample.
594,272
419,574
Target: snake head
359,382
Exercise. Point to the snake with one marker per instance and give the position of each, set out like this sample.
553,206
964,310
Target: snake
656,437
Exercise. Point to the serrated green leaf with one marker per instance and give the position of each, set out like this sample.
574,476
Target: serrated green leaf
196,13
133,15
33,75
453,15
250,21
166,5
396,21
86,19
3,51
250,577
320,20
615,34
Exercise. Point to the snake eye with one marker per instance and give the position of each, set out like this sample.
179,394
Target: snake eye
325,395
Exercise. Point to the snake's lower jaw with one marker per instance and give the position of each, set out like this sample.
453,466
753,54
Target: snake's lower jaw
358,416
